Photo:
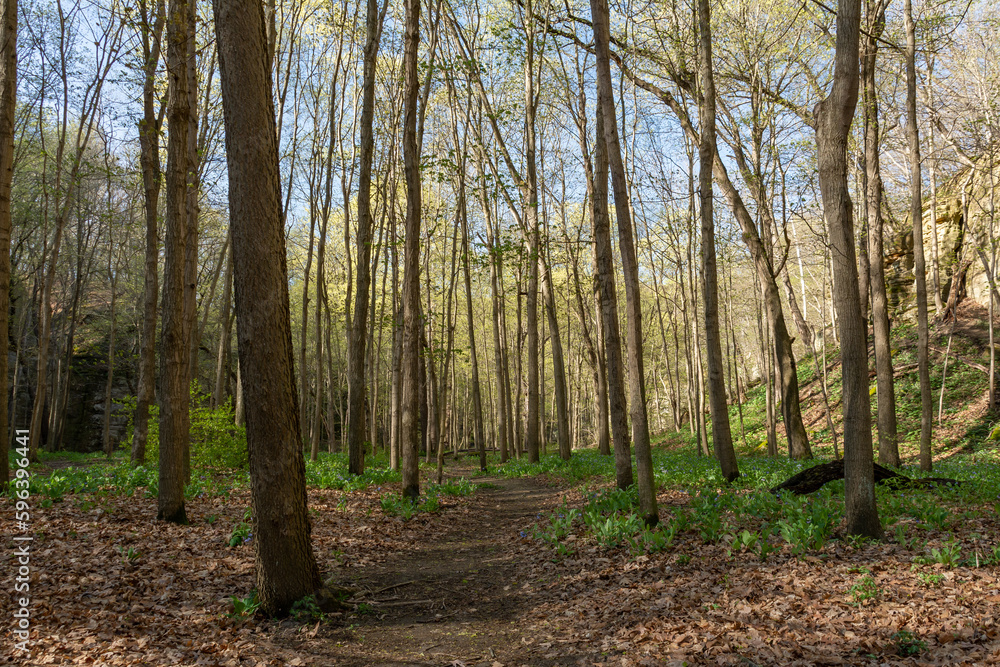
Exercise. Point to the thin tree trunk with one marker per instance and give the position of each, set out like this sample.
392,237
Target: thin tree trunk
637,380
722,437
916,216
833,120
358,340
8,98
888,447
149,159
410,426
609,310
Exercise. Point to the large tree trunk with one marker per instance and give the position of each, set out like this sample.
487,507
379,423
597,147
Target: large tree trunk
916,216
285,566
888,446
833,123
175,365
410,426
722,437
149,159
626,244
8,96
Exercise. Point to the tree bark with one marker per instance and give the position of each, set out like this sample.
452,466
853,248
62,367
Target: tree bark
149,159
888,446
358,339
833,122
722,437
916,216
609,310
285,566
8,98
637,380
175,363
410,426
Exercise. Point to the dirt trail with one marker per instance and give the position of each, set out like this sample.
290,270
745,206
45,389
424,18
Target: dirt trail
451,599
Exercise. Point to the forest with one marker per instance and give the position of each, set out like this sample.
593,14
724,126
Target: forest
459,332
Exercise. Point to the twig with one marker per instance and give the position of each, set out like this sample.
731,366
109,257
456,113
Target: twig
385,588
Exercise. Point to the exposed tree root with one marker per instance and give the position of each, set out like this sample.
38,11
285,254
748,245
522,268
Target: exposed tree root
814,478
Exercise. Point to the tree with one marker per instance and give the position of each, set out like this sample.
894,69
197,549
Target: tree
175,363
722,437
916,217
8,97
888,446
834,115
285,565
357,340
626,243
149,159
410,424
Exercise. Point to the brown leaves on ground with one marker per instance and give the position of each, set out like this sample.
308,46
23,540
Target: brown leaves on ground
470,586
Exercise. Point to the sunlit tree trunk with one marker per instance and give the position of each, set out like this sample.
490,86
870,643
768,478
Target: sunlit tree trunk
722,438
175,364
626,243
833,122
149,159
916,217
285,566
410,426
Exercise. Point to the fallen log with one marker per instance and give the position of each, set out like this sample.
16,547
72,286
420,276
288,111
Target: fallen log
814,478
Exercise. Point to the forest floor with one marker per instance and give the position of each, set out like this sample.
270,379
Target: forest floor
475,584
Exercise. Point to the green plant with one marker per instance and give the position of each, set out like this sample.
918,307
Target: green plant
365,608
244,607
613,531
306,610
930,579
864,589
394,504
743,541
907,644
129,556
949,554
242,531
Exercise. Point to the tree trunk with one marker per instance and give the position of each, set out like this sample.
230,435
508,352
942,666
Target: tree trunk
8,97
410,426
888,446
358,339
175,365
916,216
221,388
833,122
530,192
637,380
149,159
285,566
609,310
722,437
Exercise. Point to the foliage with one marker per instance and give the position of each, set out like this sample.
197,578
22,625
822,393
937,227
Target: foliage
216,440
244,608
394,504
864,589
242,531
907,644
